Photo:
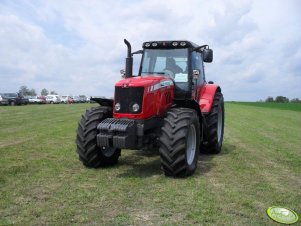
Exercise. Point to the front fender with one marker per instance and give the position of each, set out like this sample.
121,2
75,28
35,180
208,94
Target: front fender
102,101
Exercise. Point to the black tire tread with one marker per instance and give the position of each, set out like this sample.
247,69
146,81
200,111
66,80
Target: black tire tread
89,154
173,142
211,145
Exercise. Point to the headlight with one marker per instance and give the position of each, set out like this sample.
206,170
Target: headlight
135,107
117,107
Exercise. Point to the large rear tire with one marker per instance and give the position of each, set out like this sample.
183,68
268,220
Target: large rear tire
89,153
215,126
179,142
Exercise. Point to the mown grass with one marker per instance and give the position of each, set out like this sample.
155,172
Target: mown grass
282,106
43,182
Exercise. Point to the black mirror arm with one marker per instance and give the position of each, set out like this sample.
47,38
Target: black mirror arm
200,47
137,52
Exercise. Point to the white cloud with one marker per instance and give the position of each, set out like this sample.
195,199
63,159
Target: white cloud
77,47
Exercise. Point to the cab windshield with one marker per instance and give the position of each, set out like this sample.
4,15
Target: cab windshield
168,62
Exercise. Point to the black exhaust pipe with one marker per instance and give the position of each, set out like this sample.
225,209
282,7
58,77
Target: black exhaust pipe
128,61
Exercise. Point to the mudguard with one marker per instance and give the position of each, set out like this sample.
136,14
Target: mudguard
102,101
206,97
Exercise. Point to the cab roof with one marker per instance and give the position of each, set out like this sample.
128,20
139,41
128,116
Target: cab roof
169,44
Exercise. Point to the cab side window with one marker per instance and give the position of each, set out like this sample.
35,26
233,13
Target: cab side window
197,64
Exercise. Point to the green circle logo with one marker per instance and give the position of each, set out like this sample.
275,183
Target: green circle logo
282,215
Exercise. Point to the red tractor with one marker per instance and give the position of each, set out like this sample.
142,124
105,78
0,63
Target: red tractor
169,106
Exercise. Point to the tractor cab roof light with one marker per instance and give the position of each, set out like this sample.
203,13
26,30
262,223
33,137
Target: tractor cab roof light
171,45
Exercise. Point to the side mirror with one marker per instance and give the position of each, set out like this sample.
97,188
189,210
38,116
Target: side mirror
207,55
122,72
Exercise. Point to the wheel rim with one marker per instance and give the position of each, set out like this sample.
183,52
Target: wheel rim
108,151
219,123
191,144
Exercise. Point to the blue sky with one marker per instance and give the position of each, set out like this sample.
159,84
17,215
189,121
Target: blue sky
76,47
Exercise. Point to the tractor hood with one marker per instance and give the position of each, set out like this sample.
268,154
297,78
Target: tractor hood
151,95
145,81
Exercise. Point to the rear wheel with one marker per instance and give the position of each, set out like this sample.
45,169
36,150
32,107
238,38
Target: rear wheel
179,142
89,153
215,126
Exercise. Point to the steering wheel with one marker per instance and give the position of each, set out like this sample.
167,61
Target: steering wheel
169,73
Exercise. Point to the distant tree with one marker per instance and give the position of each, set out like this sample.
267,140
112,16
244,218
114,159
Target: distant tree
269,99
295,100
281,99
32,92
53,93
44,92
24,90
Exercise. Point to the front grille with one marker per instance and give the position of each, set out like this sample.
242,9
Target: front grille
127,97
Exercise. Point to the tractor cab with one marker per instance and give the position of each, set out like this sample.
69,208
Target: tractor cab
182,61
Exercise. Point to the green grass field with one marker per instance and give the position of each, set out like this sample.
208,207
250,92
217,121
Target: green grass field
43,182
282,106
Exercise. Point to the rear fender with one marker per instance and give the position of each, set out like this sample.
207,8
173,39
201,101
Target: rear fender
206,97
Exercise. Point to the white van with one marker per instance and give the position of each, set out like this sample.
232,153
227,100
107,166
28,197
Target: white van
53,99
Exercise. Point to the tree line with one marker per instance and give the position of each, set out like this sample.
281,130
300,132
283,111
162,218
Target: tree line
25,91
282,99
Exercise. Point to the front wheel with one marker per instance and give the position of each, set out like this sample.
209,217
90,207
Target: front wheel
179,142
89,153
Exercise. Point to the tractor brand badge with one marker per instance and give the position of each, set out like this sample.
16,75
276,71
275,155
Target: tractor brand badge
125,85
282,215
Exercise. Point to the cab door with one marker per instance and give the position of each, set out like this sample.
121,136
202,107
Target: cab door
198,76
